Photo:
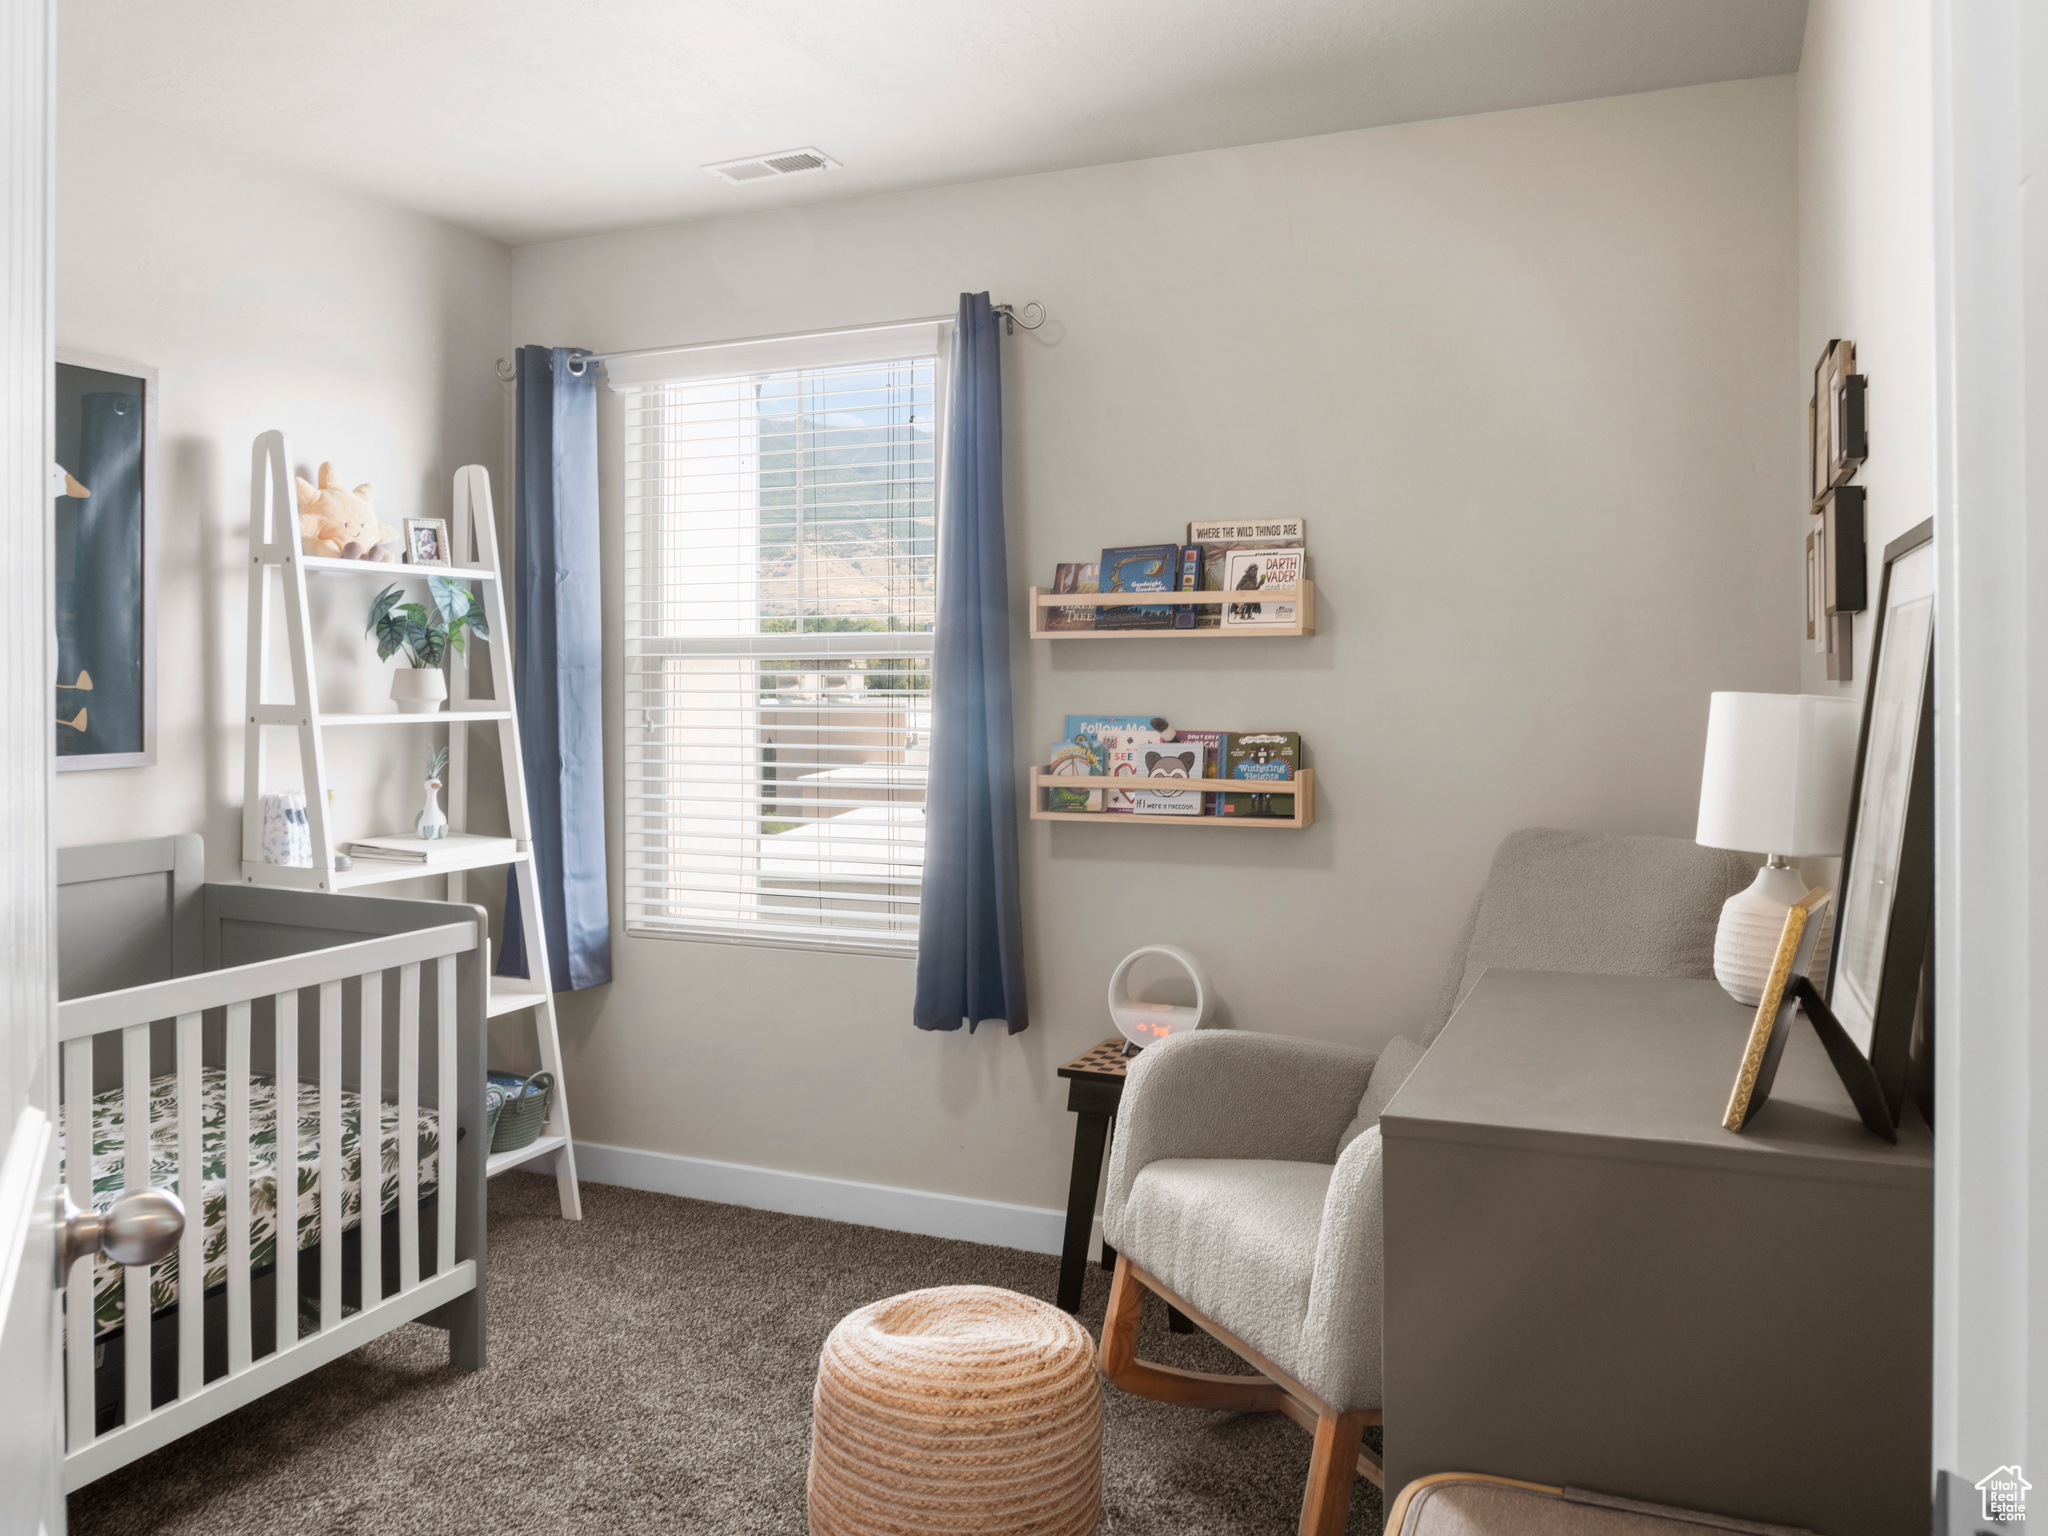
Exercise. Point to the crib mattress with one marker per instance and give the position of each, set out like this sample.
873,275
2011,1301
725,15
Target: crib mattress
109,1174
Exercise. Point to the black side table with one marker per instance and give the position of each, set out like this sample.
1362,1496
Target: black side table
1095,1086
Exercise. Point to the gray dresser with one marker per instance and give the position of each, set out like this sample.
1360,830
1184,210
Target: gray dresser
1590,1282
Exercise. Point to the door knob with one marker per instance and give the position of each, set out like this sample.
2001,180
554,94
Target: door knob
141,1227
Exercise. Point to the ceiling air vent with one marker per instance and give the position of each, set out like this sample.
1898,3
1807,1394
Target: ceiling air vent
784,162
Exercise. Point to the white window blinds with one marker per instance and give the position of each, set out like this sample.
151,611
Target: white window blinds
780,573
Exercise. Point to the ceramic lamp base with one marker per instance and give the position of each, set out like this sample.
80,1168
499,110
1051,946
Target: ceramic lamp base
1752,920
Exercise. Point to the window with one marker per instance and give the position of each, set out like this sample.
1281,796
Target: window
781,590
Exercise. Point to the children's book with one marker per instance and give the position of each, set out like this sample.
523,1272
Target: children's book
1266,530
1082,757
1109,731
1174,759
1138,568
1127,750
1277,572
1266,756
1219,536
1211,743
1102,727
1072,578
1190,581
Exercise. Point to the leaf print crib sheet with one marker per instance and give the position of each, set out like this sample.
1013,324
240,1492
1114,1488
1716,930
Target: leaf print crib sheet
108,1174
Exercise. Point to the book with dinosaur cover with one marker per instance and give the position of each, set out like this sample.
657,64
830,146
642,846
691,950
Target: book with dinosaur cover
1072,578
1138,568
1273,573
1268,757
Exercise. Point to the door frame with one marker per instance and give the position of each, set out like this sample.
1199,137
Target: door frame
31,1413
1989,62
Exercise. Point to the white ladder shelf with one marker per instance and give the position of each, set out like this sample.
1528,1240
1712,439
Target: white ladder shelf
473,533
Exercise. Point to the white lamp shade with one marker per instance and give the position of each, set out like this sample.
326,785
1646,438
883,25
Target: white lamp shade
1776,779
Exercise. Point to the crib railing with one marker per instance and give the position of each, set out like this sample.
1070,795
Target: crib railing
185,1007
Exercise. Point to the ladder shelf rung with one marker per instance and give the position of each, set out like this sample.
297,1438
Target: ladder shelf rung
390,570
439,717
541,1146
509,994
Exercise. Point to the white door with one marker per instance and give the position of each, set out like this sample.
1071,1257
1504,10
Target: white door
31,1408
31,1401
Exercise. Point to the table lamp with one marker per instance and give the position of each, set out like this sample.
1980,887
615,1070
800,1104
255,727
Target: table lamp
1776,782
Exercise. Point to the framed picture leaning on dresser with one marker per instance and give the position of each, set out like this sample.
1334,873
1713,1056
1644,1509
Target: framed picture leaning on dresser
1883,920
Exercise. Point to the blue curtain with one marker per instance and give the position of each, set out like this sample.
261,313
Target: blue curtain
970,942
557,671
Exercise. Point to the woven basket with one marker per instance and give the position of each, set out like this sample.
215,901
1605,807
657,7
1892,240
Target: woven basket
523,1110
960,1411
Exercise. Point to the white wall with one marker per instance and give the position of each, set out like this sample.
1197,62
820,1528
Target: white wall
1866,258
1531,377
266,300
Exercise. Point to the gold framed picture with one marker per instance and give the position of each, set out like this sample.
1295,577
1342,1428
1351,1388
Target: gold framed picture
1781,1000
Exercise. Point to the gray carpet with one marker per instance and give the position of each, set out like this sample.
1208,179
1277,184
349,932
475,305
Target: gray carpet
651,1371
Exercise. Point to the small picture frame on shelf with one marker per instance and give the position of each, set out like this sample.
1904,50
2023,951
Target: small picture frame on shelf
426,541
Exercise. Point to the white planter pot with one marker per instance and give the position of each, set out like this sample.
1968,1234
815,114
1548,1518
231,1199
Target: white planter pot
419,690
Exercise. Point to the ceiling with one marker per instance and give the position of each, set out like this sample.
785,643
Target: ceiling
534,119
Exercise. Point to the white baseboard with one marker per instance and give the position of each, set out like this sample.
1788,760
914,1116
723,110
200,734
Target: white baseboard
1032,1228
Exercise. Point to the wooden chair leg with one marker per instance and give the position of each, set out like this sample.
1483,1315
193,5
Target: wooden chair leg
1327,1503
1169,1383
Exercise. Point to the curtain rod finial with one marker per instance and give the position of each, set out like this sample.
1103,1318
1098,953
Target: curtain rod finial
1013,317
506,372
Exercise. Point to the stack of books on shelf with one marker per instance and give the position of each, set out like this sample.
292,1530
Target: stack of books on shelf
1267,556
408,848
1132,748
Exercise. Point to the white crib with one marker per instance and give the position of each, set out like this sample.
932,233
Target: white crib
188,1013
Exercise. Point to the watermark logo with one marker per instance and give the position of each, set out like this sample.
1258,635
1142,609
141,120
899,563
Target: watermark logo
2005,1495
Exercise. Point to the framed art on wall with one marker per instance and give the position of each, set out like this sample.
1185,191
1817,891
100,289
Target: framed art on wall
1840,440
1820,450
105,562
1887,894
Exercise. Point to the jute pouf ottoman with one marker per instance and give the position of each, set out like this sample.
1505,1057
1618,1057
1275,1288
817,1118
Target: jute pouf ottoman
960,1409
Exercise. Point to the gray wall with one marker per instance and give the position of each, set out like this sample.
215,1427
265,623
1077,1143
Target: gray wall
1531,377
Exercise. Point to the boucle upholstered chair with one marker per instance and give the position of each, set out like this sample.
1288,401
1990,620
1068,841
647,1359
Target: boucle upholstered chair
1474,1504
1244,1185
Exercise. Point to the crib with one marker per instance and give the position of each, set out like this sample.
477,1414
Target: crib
204,1030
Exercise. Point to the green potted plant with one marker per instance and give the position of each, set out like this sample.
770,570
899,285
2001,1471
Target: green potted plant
426,635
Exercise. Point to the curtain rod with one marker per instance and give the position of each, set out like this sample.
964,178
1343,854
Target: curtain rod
1012,318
